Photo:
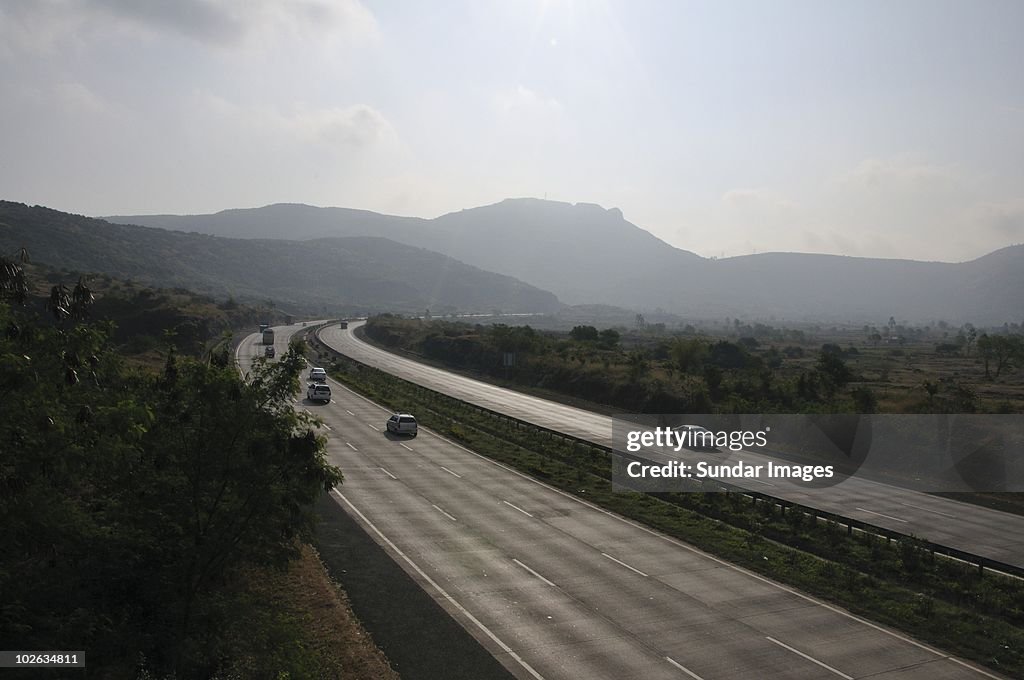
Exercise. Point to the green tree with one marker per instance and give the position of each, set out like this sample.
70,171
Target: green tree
1000,350
864,400
127,499
584,334
609,338
833,371
639,366
13,285
688,354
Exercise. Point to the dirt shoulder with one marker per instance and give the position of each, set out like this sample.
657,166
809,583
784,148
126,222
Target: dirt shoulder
420,638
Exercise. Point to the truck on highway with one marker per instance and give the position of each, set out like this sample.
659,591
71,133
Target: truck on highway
268,336
343,324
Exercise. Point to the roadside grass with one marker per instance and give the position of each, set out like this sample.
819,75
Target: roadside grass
300,620
899,584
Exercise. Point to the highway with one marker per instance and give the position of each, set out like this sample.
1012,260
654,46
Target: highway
973,529
557,588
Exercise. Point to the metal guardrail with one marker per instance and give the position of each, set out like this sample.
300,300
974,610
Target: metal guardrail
851,525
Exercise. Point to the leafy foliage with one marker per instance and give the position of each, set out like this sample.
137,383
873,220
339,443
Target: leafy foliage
128,500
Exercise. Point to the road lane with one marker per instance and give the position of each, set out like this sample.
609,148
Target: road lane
973,529
557,588
599,619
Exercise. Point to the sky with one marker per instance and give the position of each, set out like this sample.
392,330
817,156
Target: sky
865,128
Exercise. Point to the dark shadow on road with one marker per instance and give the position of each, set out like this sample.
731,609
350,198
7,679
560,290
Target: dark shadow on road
422,641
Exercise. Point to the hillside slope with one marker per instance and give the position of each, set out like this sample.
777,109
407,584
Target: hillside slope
586,254
315,276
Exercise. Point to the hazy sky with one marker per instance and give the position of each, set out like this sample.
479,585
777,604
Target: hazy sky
891,129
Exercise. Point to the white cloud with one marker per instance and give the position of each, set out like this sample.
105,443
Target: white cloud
902,173
46,26
522,102
757,200
78,98
341,129
1003,220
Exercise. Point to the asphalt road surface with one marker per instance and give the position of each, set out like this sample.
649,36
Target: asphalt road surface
973,529
557,588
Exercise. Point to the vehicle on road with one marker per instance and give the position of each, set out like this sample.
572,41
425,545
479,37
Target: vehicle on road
403,423
318,392
269,352
698,438
343,324
268,336
317,375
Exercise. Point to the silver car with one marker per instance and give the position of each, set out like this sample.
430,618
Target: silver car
403,423
318,392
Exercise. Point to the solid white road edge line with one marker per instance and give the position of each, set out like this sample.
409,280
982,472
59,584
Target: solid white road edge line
944,514
516,507
810,658
683,668
624,564
872,512
533,572
487,631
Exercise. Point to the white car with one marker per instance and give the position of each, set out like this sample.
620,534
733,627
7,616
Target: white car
318,392
698,438
317,375
402,423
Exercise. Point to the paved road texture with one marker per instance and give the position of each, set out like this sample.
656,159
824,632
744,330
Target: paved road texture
555,587
973,529
421,640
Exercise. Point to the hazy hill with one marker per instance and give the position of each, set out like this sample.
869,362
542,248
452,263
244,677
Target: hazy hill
579,250
331,274
586,254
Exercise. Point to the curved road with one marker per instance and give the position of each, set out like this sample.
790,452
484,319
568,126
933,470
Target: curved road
973,529
557,588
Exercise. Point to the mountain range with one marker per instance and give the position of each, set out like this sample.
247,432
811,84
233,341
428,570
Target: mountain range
323,275
586,254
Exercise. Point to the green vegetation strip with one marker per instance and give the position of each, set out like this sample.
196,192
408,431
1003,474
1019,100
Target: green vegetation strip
900,584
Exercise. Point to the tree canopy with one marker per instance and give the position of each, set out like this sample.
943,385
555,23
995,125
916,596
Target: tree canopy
128,498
